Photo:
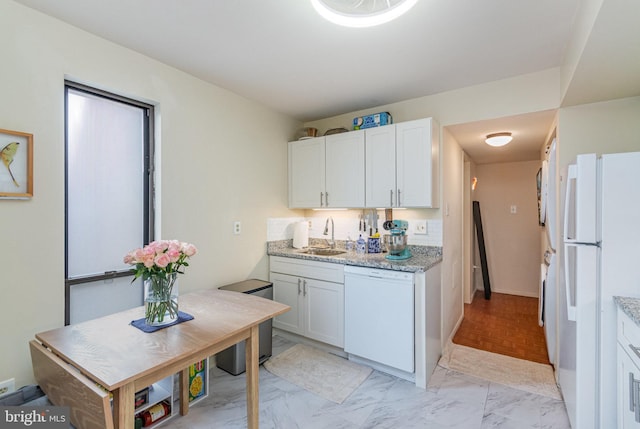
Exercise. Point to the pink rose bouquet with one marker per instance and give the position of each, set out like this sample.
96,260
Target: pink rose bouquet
159,263
160,258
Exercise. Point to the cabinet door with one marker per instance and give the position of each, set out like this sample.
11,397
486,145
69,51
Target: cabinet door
307,173
344,174
324,311
627,373
288,290
380,156
417,147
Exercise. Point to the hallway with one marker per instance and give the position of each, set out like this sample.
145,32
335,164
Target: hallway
505,324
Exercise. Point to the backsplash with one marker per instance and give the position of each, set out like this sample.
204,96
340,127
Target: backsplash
347,228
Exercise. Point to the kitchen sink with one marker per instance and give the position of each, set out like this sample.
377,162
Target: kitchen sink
323,251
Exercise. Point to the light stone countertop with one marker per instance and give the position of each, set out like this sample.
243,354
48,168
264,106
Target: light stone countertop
630,306
424,257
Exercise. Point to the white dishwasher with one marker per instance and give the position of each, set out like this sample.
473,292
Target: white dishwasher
379,316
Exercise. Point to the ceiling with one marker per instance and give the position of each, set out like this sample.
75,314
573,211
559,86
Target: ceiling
285,56
529,131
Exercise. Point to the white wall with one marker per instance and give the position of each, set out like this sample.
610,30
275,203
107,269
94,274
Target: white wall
224,158
452,252
512,241
606,127
522,94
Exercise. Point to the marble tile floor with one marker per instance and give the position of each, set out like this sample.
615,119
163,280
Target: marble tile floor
452,400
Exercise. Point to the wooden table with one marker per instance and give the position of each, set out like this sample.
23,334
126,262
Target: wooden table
124,360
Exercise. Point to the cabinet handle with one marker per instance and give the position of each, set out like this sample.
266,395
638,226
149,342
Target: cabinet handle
326,199
304,287
321,199
300,291
390,197
399,197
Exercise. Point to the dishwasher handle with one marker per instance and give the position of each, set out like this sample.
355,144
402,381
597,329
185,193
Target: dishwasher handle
376,273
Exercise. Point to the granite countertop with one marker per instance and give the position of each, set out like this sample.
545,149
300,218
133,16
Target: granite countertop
630,306
424,257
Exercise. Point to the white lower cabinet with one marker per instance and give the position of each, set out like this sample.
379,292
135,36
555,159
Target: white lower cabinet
628,373
315,293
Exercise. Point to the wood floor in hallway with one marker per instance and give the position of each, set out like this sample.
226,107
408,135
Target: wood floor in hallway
504,324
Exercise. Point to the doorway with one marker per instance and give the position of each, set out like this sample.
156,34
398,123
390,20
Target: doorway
507,323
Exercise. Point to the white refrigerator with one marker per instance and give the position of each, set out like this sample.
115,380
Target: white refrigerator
601,259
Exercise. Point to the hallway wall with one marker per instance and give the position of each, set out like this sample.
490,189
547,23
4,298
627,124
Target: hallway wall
512,241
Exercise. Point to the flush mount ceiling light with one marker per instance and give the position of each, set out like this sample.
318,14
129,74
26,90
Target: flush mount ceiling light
498,139
361,13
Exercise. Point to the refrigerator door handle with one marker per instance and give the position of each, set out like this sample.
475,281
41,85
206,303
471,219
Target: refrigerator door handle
571,307
636,399
632,391
572,175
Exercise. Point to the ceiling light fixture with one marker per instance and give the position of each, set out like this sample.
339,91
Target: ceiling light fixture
362,13
498,139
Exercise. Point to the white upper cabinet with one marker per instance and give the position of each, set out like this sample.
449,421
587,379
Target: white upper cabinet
417,163
380,150
344,173
402,165
327,172
306,173
391,166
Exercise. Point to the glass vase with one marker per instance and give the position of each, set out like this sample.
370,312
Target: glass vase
161,300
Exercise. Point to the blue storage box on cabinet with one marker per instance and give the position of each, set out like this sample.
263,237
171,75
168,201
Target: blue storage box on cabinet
370,121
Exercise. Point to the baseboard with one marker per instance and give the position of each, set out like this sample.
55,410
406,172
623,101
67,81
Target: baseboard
409,376
309,342
517,293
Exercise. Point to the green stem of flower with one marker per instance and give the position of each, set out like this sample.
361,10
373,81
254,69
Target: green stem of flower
159,303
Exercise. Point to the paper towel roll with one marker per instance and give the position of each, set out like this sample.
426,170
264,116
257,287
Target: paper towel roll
301,235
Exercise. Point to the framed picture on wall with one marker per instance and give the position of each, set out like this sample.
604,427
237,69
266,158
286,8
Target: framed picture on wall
16,165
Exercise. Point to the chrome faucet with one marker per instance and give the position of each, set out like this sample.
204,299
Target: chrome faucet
332,243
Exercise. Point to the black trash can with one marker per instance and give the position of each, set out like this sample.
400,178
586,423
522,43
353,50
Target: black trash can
232,359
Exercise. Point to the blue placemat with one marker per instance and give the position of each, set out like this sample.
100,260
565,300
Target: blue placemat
140,323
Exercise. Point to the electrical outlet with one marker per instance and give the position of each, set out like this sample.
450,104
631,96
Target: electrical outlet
237,227
420,227
7,386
